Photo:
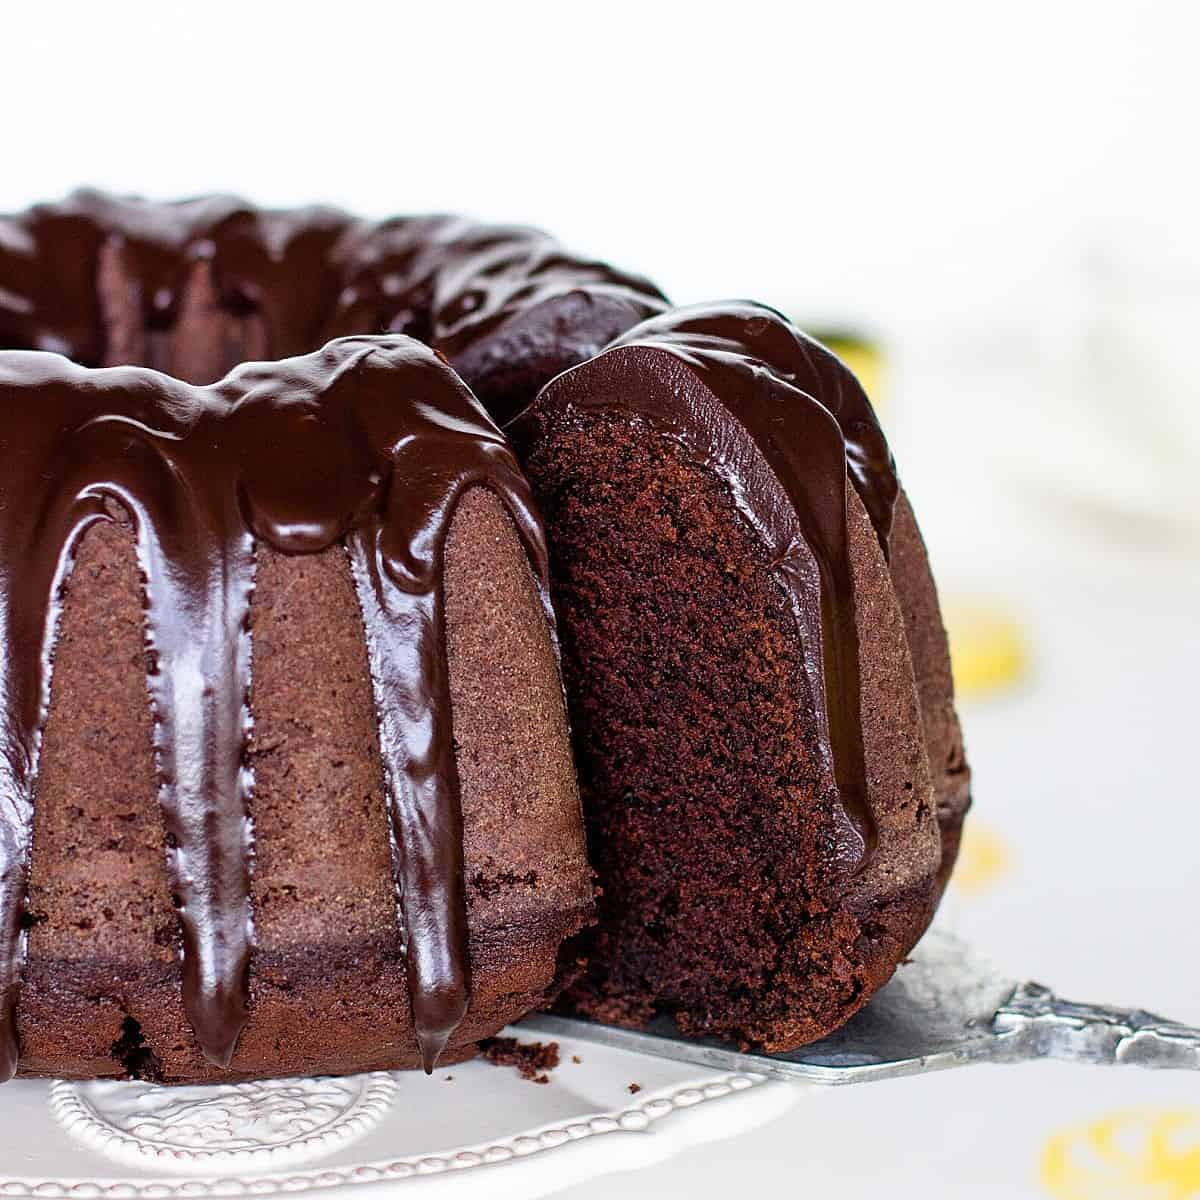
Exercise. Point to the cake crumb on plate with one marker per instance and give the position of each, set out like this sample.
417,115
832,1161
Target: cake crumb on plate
532,1059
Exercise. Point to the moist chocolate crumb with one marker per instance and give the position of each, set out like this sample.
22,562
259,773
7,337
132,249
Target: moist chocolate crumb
686,681
531,1059
634,1088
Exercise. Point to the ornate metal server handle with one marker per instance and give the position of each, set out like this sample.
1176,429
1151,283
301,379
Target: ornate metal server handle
1036,1023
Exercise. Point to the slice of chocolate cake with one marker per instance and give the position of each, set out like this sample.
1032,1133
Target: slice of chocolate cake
750,736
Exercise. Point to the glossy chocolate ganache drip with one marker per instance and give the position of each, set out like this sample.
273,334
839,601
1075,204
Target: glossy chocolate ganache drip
195,287
801,424
370,442
744,331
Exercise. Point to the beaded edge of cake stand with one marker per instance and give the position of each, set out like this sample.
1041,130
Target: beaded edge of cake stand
277,1159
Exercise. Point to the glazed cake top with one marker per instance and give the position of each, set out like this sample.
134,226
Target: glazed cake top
508,306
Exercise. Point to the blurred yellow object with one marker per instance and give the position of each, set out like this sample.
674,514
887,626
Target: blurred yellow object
984,859
866,361
1147,1154
988,647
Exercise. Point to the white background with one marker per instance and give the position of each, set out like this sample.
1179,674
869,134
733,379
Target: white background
1006,195
924,159
986,188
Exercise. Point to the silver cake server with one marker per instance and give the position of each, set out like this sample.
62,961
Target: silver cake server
945,1007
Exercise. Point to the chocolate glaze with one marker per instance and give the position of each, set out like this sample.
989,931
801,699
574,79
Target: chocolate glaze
508,306
371,442
752,331
783,422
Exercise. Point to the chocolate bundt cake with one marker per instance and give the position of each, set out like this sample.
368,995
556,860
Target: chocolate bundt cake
287,785
770,762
